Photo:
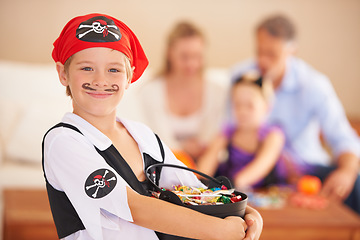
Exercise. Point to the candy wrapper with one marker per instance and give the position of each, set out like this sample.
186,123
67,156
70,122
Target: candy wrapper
203,196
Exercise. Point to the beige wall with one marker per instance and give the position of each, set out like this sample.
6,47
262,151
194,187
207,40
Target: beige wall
329,31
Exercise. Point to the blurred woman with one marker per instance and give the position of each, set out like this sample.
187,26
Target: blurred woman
181,105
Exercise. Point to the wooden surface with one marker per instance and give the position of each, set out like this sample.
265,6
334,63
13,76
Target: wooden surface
335,222
27,216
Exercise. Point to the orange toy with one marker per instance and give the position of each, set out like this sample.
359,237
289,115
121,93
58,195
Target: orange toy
185,158
308,184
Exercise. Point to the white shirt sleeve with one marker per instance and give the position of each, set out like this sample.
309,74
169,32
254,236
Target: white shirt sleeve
79,235
69,161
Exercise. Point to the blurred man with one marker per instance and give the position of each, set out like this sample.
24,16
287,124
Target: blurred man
305,105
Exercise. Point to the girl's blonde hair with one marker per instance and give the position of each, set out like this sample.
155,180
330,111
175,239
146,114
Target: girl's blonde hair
181,30
263,84
129,71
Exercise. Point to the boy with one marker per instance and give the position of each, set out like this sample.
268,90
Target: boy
97,58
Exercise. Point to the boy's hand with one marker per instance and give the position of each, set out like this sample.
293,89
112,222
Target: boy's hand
251,228
235,228
254,224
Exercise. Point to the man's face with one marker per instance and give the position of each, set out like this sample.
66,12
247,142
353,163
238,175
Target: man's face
271,53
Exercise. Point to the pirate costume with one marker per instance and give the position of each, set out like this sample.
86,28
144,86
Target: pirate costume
72,158
86,177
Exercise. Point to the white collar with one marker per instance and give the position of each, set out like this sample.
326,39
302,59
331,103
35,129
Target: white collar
143,136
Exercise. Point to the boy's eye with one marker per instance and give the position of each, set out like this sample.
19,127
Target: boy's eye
87,69
114,70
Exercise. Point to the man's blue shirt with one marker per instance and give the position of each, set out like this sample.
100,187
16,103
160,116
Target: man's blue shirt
306,104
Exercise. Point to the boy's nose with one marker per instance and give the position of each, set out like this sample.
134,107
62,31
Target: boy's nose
100,80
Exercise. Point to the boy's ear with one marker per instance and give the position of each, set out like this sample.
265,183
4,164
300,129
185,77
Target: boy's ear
62,74
128,84
129,80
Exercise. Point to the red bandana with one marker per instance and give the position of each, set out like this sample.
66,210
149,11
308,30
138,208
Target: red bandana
99,30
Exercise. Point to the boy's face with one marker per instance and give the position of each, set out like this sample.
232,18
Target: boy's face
97,80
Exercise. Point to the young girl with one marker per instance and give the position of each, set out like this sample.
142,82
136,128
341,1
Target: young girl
94,162
253,147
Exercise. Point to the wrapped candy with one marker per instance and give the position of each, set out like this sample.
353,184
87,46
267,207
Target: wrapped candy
203,196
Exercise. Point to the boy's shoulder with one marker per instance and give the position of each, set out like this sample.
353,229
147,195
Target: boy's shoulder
65,135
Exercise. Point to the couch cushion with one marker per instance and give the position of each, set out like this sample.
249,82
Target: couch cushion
32,100
27,82
10,113
15,175
25,142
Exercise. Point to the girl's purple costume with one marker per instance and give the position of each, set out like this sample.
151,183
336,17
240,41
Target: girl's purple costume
238,159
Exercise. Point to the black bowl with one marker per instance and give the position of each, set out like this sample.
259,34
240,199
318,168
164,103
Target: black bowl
221,211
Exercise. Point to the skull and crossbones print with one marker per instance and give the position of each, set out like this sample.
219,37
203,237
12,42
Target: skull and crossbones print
97,30
99,26
100,183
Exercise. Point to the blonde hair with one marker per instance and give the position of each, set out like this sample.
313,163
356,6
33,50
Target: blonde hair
129,71
181,30
254,79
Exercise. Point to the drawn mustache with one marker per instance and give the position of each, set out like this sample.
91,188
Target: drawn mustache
114,88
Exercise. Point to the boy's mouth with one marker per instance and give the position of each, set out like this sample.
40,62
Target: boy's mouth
100,93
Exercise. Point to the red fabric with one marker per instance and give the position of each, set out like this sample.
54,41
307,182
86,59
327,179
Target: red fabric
68,43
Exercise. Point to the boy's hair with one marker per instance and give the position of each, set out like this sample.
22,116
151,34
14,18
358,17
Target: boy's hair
278,26
254,79
66,69
129,71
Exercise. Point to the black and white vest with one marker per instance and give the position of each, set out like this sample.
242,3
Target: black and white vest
66,219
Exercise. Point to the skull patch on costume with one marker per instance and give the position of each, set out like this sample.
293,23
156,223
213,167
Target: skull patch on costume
98,29
100,183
